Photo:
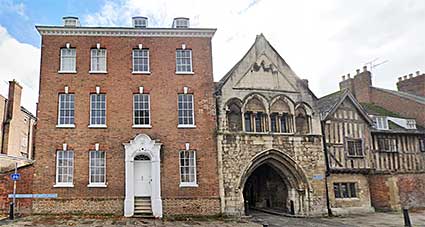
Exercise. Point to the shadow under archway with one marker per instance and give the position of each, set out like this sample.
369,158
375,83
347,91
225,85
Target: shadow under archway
274,181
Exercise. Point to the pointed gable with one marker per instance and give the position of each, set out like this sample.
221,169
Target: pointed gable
262,68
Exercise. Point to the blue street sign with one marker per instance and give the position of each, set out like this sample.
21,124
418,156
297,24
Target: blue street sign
15,176
35,196
317,177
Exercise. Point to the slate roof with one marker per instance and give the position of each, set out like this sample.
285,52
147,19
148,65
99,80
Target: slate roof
416,98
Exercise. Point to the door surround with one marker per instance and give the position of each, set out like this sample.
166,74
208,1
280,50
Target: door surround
142,144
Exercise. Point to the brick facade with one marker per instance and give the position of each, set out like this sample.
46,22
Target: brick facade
23,186
119,85
17,125
413,85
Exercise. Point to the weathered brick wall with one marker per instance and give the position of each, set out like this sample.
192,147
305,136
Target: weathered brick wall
119,84
23,186
414,85
412,190
392,192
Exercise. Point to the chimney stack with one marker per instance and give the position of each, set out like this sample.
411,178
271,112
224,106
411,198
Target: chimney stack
365,68
13,100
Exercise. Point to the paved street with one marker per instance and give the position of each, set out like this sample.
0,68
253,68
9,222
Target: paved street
369,220
258,218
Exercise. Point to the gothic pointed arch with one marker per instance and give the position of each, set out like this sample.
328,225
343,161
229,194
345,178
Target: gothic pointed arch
234,114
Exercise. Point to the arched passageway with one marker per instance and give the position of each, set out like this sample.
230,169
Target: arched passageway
265,189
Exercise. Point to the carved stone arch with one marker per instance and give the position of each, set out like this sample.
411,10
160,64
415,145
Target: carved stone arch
303,114
306,107
278,102
281,161
255,102
291,174
233,109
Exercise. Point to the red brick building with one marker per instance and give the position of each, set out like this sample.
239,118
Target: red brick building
126,120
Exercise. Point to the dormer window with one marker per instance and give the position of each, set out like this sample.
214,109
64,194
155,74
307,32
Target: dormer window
381,122
411,124
71,22
181,22
140,22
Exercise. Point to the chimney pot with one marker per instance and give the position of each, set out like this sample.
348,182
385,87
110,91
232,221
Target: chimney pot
343,77
404,77
400,79
358,71
418,73
410,75
365,68
348,75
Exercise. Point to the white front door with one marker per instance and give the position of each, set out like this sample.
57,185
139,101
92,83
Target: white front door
142,178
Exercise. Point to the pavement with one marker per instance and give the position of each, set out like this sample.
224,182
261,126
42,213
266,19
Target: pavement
257,219
377,219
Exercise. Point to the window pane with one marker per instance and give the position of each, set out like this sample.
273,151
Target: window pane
184,61
185,109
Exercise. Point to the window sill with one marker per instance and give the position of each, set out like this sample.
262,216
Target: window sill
98,72
98,126
97,185
188,185
185,73
142,126
353,156
62,185
348,199
67,72
65,126
186,126
142,73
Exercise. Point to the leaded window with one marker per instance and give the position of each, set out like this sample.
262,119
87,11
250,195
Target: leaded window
141,60
98,109
188,168
185,109
354,147
345,190
141,109
64,167
66,109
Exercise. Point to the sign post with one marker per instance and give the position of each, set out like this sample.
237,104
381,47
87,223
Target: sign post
16,176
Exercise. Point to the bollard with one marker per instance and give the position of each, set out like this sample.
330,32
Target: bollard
265,224
11,215
407,222
246,208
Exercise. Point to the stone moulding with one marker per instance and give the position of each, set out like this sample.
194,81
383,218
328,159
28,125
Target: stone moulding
129,32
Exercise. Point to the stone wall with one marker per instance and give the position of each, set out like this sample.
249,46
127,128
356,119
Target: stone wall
191,206
239,150
361,204
105,205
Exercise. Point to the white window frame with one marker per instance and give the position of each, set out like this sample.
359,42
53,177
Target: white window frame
195,180
74,58
191,63
134,113
193,125
92,69
148,61
64,184
381,122
59,125
91,125
97,184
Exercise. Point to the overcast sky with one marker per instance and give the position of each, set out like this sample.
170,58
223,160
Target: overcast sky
320,40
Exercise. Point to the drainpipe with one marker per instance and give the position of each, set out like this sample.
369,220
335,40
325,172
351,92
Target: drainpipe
327,172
